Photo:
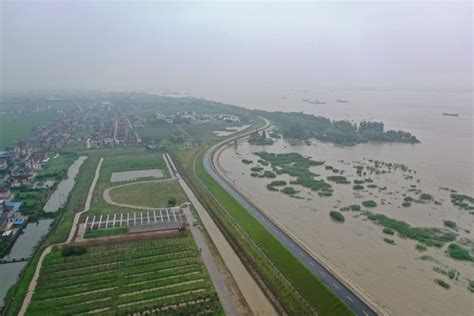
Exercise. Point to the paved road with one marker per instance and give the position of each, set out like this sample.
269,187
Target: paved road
253,295
343,292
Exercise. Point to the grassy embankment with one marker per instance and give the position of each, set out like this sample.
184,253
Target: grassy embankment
282,273
126,278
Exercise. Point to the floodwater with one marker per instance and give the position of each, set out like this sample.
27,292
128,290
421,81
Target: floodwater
59,197
22,248
394,276
124,176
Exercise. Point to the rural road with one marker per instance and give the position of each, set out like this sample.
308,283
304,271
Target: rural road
340,289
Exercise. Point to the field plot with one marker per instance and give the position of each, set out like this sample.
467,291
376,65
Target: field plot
163,275
152,194
118,161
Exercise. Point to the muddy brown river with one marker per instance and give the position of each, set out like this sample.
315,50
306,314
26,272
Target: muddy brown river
394,275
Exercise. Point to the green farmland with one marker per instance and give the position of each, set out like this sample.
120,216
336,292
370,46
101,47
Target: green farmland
14,126
155,275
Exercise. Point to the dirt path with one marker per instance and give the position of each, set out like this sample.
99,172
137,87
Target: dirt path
88,202
47,250
108,199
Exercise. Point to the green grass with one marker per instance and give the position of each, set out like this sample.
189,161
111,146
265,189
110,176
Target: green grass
117,160
106,232
14,126
57,168
152,194
123,278
310,287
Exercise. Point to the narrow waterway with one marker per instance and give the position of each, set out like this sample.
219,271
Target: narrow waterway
33,232
60,195
23,247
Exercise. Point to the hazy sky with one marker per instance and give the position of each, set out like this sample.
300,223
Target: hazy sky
150,45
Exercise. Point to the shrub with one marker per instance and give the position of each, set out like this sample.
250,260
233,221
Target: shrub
388,231
459,252
389,241
420,248
426,197
254,174
247,161
406,204
358,187
269,174
430,236
338,179
73,251
256,169
470,286
172,201
369,203
277,183
289,190
442,284
271,187
355,207
450,224
358,181
338,217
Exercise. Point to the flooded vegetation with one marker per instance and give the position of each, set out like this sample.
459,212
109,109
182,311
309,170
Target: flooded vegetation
392,211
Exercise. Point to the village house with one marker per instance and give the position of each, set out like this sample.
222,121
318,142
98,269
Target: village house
3,164
5,193
10,217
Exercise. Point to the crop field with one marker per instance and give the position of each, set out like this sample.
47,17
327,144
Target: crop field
163,276
14,126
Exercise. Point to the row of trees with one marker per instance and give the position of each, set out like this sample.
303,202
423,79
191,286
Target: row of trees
304,126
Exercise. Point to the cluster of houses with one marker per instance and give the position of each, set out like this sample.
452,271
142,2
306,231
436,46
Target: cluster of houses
18,166
117,132
11,219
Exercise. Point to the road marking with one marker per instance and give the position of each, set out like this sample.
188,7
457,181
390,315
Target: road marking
365,313
336,286
350,299
323,273
292,246
311,263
